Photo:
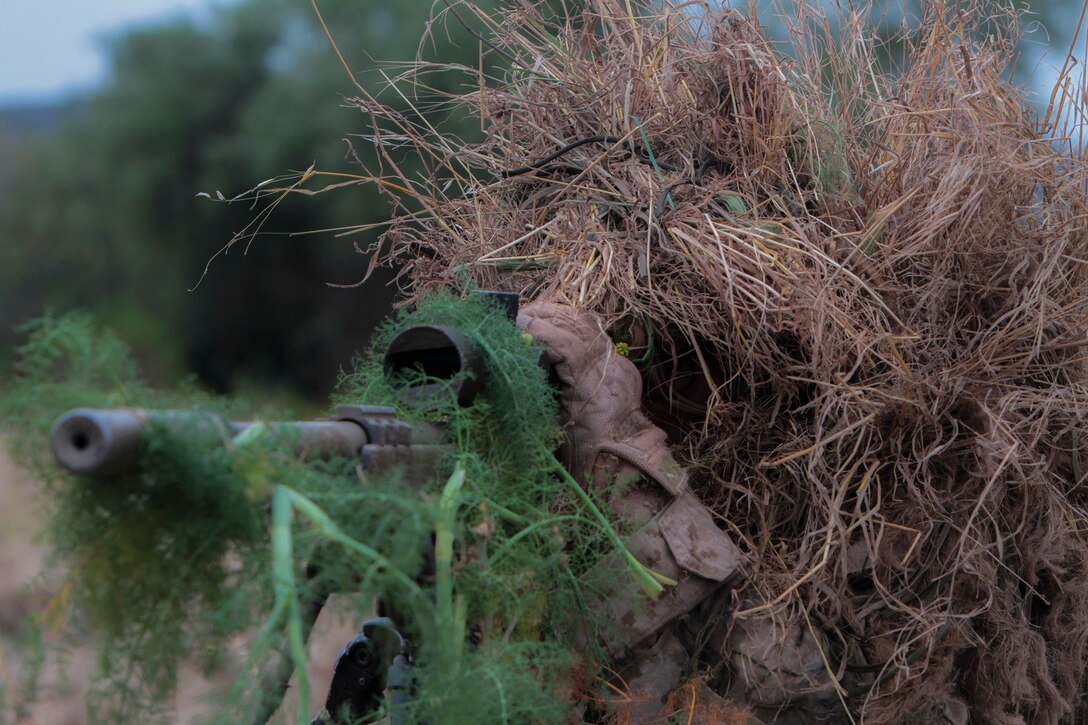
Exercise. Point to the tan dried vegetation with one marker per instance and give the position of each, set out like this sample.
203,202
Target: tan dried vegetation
857,295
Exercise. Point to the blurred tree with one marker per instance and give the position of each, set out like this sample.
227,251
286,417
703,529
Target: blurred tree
102,212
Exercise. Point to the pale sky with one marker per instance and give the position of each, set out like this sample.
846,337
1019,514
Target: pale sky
49,47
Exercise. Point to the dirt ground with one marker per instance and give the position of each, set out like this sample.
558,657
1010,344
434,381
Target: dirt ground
60,699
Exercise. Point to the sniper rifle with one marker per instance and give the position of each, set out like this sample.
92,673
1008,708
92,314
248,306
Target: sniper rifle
423,363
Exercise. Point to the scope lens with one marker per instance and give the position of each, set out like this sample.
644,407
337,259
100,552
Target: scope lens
431,364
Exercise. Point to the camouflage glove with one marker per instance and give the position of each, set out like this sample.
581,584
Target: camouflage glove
612,448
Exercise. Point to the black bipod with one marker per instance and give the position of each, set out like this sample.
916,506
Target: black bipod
374,661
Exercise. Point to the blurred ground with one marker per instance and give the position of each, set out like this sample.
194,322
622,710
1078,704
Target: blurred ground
60,699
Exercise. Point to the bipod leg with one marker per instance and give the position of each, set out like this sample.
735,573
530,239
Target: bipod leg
276,677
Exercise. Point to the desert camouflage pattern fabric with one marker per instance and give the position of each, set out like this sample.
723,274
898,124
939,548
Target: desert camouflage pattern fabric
613,448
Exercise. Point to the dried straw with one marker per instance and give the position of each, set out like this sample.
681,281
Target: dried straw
858,299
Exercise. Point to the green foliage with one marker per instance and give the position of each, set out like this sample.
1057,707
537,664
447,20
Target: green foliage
513,418
140,552
212,534
516,533
150,550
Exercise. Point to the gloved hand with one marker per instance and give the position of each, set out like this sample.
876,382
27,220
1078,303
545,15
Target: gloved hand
612,448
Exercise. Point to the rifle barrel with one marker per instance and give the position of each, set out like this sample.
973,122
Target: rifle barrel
103,442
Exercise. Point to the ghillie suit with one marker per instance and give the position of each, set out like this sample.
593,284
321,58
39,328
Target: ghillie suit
613,449
819,328
616,451
852,278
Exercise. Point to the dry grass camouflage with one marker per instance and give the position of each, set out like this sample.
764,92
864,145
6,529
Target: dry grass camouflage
857,298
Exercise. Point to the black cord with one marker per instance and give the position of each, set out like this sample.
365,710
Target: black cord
663,197
913,656
697,180
639,153
711,162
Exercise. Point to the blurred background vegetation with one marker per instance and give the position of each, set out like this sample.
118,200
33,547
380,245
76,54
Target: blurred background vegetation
98,206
